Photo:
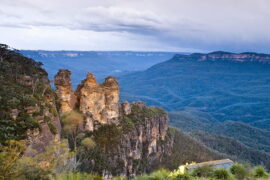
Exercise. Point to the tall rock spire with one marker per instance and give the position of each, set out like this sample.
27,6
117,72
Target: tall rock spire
64,90
99,102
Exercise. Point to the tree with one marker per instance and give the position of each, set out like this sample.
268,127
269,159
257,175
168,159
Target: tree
71,127
260,172
203,171
56,159
9,156
239,171
221,173
88,143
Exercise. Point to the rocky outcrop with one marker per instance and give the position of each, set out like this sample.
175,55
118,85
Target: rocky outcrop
130,137
98,102
144,141
64,91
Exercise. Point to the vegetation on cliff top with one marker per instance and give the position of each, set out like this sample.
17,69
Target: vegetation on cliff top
23,93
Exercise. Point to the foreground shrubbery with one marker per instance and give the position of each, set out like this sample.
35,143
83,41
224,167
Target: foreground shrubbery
58,163
236,172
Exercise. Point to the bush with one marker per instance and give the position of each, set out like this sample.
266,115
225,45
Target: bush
260,172
120,178
159,175
203,171
9,156
141,177
183,177
221,173
239,171
52,128
88,143
77,176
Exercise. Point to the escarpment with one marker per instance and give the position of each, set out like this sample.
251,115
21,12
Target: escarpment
129,137
143,142
27,103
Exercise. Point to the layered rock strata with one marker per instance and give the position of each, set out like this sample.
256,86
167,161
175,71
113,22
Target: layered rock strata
130,137
64,91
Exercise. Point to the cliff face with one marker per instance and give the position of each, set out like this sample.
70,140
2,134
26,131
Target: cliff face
129,137
144,141
99,102
226,56
243,57
27,104
64,91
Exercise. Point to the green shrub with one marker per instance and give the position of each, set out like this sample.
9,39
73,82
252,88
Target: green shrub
77,176
107,136
221,173
47,119
52,128
141,177
260,172
88,143
120,178
28,100
185,176
127,124
31,122
159,175
13,103
239,171
203,171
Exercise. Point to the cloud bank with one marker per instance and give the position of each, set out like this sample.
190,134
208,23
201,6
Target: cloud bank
159,25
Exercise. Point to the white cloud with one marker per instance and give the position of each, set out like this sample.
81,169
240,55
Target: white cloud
240,25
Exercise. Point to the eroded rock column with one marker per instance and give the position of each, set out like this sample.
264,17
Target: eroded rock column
98,102
64,90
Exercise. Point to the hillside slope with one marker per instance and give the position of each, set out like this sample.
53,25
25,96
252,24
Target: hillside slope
27,103
187,149
251,136
233,149
227,86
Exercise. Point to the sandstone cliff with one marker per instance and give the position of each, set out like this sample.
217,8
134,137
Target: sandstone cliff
27,104
64,91
129,137
99,102
227,56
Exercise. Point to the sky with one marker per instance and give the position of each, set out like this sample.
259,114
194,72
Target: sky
138,25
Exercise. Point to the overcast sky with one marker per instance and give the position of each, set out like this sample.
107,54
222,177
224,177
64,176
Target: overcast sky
148,25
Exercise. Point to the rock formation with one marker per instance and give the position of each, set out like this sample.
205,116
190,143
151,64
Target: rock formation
64,91
144,142
131,137
99,102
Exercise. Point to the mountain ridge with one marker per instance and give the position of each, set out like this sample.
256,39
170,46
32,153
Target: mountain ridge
222,55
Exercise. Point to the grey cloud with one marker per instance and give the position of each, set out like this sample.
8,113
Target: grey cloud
208,25
118,19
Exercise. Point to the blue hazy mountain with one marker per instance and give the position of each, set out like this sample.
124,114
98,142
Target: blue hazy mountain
227,86
218,94
101,63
